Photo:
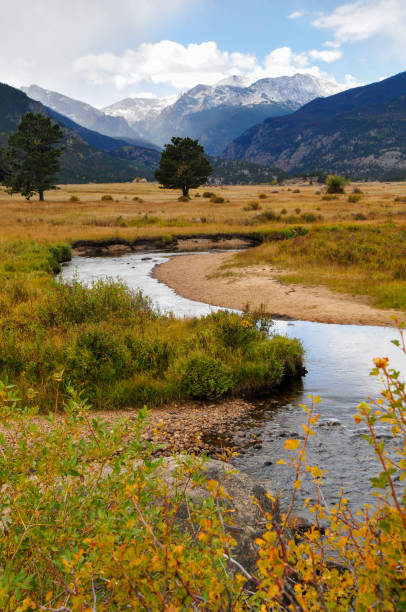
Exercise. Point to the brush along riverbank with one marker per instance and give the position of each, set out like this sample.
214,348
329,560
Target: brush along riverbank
110,342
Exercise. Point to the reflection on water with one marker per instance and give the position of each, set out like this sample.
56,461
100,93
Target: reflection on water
338,360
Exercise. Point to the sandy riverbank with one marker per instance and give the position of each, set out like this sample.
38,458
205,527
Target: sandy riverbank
191,276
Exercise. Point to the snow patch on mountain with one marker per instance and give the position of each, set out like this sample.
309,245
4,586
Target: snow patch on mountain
134,110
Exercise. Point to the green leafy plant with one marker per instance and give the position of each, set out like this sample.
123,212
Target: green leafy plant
336,183
205,377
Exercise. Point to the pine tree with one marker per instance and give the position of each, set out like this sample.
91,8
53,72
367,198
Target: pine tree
32,158
183,165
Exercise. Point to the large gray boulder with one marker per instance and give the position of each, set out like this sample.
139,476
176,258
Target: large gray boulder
247,499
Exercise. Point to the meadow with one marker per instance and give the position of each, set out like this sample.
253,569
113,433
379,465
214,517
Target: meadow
352,242
134,210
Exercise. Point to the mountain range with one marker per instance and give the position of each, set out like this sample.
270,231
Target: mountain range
213,114
360,132
218,114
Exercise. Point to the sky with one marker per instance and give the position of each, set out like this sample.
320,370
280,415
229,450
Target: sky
101,51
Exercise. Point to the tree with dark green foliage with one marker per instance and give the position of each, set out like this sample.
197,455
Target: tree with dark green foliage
183,165
32,156
336,183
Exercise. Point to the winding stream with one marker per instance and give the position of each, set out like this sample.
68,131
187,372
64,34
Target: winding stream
338,359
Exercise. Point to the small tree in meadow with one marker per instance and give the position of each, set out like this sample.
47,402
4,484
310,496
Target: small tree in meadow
183,165
336,183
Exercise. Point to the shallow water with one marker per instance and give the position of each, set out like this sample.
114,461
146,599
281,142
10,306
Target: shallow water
338,359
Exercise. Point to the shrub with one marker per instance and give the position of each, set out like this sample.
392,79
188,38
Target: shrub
233,330
262,196
284,211
336,183
137,199
107,198
267,215
208,194
252,205
311,217
205,377
217,199
328,197
354,197
360,216
296,191
184,198
74,198
120,222
197,195
164,241
297,211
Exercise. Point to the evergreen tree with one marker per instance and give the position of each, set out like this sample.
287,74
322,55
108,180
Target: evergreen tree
33,156
183,165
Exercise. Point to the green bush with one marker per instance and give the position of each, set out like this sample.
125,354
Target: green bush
217,200
354,197
233,330
208,194
74,198
336,183
184,198
107,198
205,377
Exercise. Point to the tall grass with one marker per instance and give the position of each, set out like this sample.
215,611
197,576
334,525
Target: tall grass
111,341
359,259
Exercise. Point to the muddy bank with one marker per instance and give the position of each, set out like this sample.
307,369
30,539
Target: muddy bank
194,277
195,242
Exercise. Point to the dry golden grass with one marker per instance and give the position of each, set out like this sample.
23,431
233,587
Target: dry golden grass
58,218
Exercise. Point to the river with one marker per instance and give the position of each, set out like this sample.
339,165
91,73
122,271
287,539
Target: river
338,359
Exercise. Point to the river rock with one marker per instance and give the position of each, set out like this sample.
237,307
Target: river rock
243,490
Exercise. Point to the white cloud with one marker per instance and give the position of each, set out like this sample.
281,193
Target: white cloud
295,15
183,67
325,56
165,62
366,18
332,44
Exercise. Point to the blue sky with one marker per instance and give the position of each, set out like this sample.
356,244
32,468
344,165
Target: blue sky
101,51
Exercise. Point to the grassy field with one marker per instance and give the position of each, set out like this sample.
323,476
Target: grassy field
352,242
245,209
